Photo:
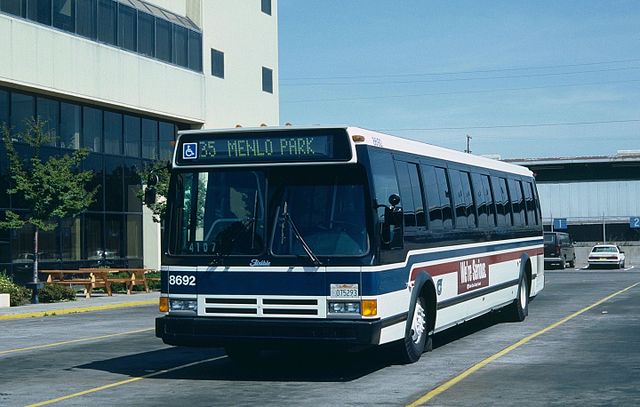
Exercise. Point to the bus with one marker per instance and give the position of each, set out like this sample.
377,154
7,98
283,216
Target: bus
340,236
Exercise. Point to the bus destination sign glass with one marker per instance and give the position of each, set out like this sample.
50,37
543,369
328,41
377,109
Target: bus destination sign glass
270,146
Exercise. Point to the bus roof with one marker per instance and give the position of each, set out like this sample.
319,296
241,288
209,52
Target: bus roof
387,141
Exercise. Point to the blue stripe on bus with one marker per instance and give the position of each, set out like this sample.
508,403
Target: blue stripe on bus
263,282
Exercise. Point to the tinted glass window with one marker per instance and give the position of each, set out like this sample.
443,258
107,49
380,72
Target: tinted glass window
64,14
132,184
532,213
385,184
149,139
113,237
488,192
146,34
107,18
217,63
69,125
134,236
112,133
503,206
92,236
92,129
418,196
22,110
517,202
131,136
465,179
432,197
266,6
458,199
181,48
87,15
11,7
113,185
195,51
94,164
267,80
406,194
48,111
39,10
167,134
164,40
481,200
4,108
127,29
445,200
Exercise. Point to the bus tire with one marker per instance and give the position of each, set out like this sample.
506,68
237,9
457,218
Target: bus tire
519,308
416,339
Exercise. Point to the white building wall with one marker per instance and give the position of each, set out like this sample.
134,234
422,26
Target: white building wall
43,59
588,201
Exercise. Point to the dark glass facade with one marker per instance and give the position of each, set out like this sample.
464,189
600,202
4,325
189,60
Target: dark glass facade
120,143
132,25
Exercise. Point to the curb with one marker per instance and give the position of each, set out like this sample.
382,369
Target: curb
78,310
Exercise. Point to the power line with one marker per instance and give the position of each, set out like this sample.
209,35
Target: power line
504,126
460,72
547,74
409,95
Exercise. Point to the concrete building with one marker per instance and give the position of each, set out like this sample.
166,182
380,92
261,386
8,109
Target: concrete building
594,199
120,77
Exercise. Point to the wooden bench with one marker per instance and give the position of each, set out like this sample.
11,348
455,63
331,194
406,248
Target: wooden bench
87,278
136,276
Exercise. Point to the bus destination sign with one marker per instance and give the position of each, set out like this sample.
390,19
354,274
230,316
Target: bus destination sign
268,146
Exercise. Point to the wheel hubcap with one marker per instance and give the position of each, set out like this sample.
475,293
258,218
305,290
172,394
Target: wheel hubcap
418,323
523,294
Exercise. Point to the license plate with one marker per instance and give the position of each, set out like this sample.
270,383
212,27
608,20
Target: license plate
344,291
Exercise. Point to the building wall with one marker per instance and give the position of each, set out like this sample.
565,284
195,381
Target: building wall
589,201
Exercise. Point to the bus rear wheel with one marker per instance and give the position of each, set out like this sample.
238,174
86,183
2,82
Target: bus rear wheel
519,309
416,338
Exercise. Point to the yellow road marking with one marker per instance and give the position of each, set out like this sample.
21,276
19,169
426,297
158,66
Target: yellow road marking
50,345
123,382
447,385
77,310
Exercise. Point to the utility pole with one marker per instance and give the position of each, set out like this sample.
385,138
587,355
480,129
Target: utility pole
468,150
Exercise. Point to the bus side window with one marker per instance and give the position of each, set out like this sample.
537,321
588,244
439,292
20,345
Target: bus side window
500,198
445,198
432,195
418,196
532,213
468,197
481,201
515,192
385,184
486,187
458,199
406,194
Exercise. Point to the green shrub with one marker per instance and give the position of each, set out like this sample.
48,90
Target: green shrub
56,293
18,295
153,285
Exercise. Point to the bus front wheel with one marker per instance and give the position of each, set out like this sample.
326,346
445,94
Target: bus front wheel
416,338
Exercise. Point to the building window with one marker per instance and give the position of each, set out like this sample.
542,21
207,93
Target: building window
146,34
131,136
217,63
195,51
92,129
167,135
149,139
64,15
112,133
69,133
267,80
180,46
266,6
127,30
48,111
86,12
22,110
107,18
11,6
4,108
163,40
39,10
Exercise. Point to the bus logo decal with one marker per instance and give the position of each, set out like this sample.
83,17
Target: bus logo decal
190,151
439,286
472,274
259,263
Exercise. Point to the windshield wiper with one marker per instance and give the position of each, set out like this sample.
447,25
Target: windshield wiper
286,217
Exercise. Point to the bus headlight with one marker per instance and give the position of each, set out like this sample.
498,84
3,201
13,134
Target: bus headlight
183,305
342,307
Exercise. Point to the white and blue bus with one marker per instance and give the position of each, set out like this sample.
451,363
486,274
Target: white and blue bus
342,236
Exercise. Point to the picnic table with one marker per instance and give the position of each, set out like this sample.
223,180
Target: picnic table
91,278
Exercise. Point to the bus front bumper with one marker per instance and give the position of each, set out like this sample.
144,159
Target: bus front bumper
206,331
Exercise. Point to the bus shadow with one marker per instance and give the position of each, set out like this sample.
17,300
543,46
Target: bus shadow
310,364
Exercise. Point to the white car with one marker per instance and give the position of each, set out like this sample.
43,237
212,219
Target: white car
606,255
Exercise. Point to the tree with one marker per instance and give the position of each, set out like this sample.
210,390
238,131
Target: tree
52,189
159,168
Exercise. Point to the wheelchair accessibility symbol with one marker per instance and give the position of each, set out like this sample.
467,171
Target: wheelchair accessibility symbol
189,151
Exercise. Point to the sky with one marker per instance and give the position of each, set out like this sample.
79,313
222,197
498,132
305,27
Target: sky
523,79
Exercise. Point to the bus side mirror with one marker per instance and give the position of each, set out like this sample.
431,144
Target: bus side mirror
394,200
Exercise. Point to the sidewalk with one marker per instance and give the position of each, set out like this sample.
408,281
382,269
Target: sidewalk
97,302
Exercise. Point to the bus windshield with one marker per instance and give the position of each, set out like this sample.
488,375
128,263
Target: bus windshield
251,212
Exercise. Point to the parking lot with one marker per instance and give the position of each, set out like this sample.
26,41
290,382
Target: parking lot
579,346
